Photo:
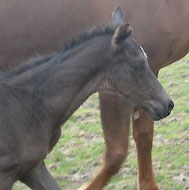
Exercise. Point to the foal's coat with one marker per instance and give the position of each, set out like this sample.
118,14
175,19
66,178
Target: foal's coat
30,27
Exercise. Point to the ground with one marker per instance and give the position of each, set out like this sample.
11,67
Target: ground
79,151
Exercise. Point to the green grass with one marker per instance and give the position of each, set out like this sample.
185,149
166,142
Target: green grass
80,150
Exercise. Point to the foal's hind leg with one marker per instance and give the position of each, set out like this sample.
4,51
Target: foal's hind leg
115,119
143,129
6,182
40,179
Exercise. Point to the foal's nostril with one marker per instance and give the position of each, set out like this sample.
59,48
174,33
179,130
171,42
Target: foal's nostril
170,106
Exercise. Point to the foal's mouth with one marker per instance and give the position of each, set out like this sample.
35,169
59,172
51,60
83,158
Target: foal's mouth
158,115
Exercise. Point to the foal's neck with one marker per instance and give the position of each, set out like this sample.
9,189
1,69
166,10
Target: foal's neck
68,79
79,76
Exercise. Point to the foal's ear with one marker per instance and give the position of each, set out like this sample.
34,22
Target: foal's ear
121,33
117,16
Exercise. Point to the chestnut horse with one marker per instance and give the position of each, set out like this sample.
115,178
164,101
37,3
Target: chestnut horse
30,27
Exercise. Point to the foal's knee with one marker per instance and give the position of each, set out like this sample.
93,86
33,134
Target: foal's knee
114,162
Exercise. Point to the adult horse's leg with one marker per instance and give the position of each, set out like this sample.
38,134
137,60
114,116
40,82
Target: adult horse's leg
143,128
6,182
143,131
40,179
116,114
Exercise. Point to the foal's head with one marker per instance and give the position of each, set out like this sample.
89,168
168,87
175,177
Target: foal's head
130,74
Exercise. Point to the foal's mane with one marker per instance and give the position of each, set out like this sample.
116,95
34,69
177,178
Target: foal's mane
74,42
93,32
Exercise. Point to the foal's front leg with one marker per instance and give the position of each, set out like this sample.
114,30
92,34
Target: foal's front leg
143,129
40,179
116,113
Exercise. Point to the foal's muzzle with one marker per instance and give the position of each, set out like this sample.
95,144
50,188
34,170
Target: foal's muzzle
160,111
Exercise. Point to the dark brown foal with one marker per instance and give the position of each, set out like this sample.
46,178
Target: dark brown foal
37,98
29,27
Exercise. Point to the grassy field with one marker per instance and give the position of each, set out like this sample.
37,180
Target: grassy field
79,151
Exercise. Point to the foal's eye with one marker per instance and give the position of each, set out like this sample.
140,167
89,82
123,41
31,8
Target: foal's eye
139,66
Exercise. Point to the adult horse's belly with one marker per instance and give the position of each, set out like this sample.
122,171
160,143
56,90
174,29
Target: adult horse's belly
39,27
